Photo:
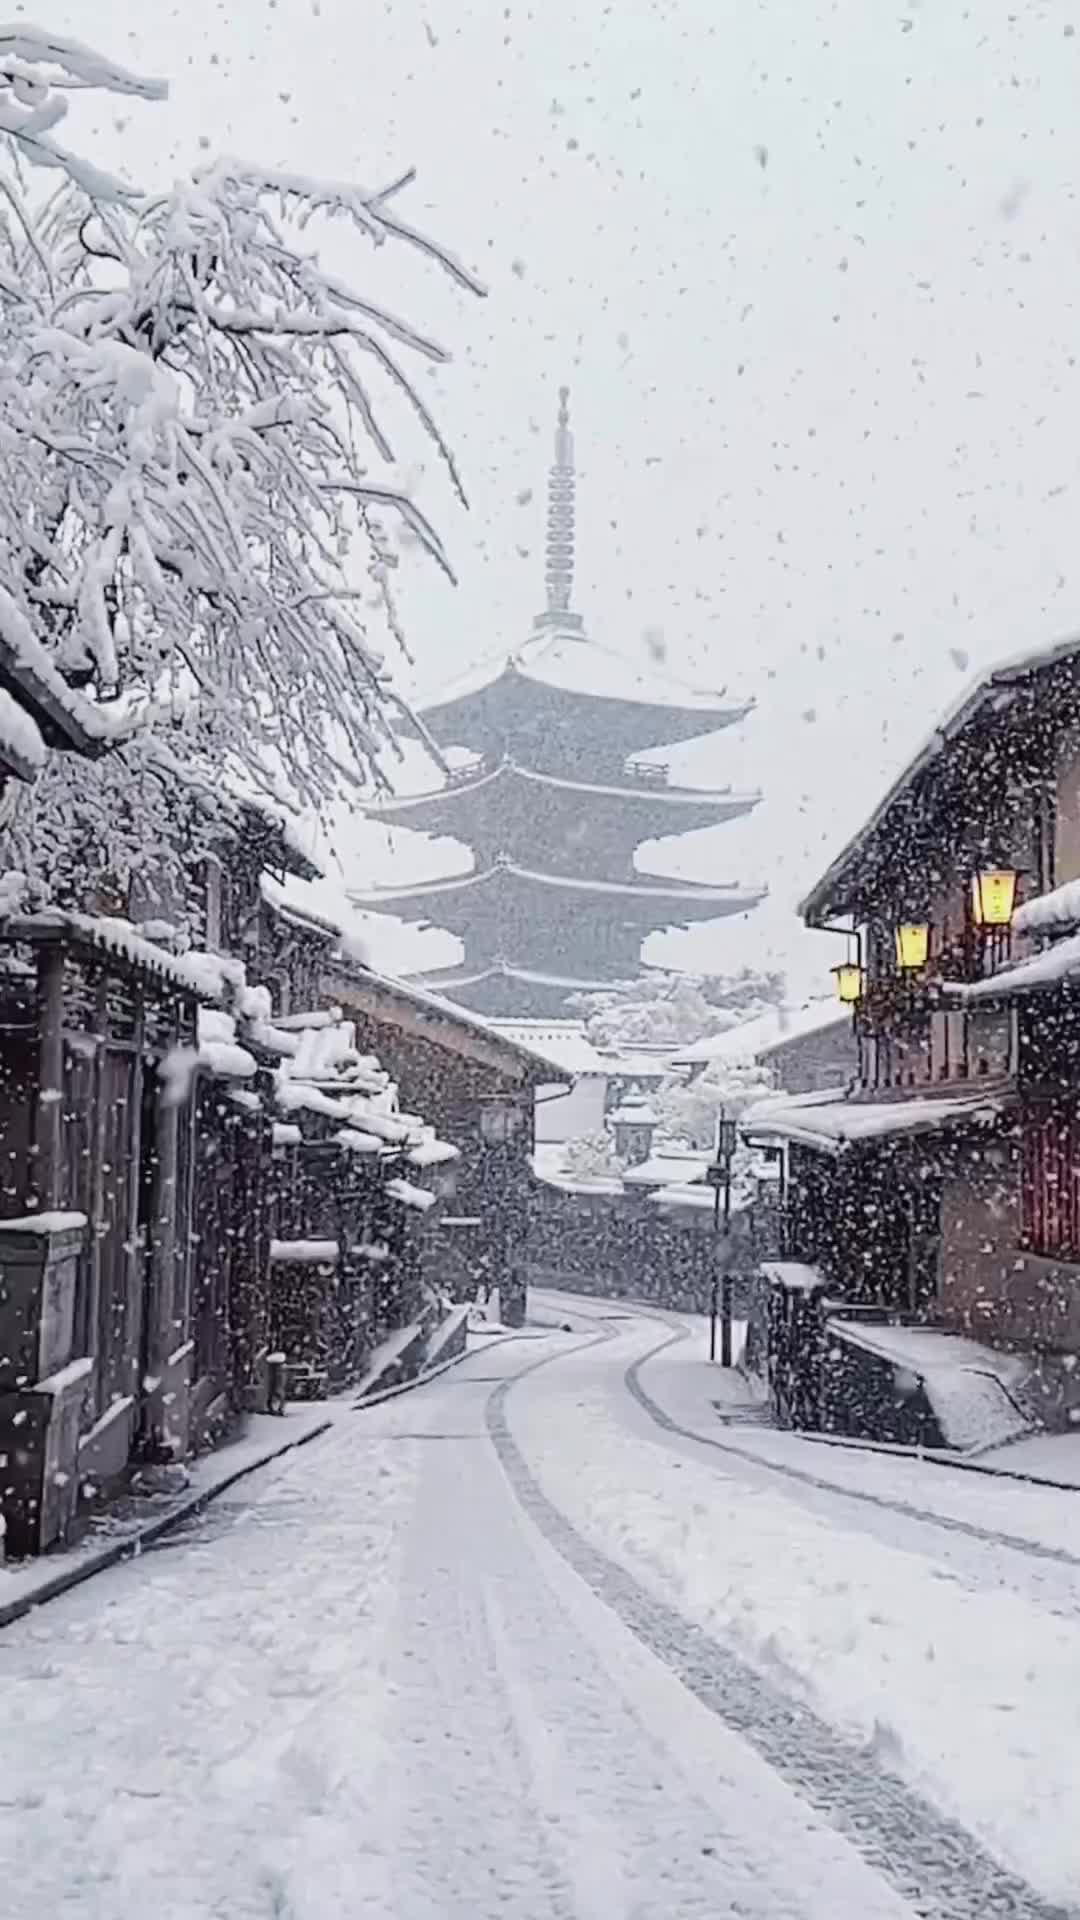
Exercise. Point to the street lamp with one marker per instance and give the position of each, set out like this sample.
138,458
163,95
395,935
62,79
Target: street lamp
849,982
912,945
718,1175
993,897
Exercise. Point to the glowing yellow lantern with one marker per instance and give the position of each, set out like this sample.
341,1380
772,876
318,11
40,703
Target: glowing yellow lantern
912,945
849,981
993,896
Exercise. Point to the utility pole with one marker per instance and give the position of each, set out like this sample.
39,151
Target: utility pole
718,1175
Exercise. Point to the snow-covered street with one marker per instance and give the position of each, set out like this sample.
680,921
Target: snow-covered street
510,1645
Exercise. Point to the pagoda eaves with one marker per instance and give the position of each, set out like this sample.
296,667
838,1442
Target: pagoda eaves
583,828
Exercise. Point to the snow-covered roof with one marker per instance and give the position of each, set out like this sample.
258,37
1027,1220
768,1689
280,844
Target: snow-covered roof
303,918
993,689
564,1042
205,976
634,1113
754,1039
507,770
577,665
832,1126
327,902
668,1167
691,1199
647,887
409,1195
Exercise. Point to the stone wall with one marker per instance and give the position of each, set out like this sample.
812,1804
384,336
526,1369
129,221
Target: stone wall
619,1247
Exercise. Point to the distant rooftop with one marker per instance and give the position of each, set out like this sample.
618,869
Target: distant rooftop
755,1039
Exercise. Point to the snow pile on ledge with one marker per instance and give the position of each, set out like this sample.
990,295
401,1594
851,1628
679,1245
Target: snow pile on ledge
1057,910
433,1152
1026,976
410,1195
356,1142
970,1388
794,1275
219,1049
44,1223
304,1252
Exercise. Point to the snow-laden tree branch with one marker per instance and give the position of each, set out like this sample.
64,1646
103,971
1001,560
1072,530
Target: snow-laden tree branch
198,500
36,69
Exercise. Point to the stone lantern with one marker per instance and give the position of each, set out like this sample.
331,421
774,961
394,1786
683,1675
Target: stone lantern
633,1124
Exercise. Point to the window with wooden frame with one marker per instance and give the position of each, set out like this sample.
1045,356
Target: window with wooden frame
1050,1180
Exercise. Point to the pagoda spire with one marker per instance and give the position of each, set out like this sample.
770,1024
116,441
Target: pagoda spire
559,554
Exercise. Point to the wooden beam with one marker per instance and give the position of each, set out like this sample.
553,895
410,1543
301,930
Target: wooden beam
48,1132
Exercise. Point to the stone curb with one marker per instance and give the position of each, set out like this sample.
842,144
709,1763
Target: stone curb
933,1457
431,1373
133,1543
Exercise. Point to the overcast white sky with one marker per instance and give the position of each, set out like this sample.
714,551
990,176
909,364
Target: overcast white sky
811,271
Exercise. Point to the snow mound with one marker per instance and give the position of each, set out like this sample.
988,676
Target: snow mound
973,1391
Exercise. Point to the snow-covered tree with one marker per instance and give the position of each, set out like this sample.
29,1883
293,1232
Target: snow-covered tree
194,529
591,1156
689,1110
675,1009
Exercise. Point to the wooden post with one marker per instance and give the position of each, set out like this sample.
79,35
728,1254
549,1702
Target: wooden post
135,1255
48,1148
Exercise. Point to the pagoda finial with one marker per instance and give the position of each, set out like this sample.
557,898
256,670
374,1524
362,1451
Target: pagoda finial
559,569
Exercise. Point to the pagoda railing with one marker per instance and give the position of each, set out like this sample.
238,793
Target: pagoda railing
461,776
649,772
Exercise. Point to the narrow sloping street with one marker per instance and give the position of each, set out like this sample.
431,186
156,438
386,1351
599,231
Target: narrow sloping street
505,1646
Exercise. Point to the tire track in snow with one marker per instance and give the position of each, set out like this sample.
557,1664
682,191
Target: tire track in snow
929,1859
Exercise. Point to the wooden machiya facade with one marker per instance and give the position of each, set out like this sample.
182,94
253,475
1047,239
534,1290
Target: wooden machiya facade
96,1275
946,1188
478,1089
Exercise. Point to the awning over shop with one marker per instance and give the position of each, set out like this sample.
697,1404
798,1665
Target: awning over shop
832,1126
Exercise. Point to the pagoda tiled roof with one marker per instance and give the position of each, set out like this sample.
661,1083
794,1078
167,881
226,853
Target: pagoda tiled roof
470,782
576,665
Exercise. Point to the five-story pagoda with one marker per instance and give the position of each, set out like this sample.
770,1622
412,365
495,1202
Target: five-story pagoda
554,802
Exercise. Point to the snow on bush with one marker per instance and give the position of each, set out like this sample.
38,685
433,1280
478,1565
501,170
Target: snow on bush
674,1009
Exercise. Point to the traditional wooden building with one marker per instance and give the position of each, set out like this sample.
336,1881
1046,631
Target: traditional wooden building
946,1189
478,1089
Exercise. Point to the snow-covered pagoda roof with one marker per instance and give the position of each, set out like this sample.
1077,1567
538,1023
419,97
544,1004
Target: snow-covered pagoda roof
990,694
578,673
720,803
680,899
